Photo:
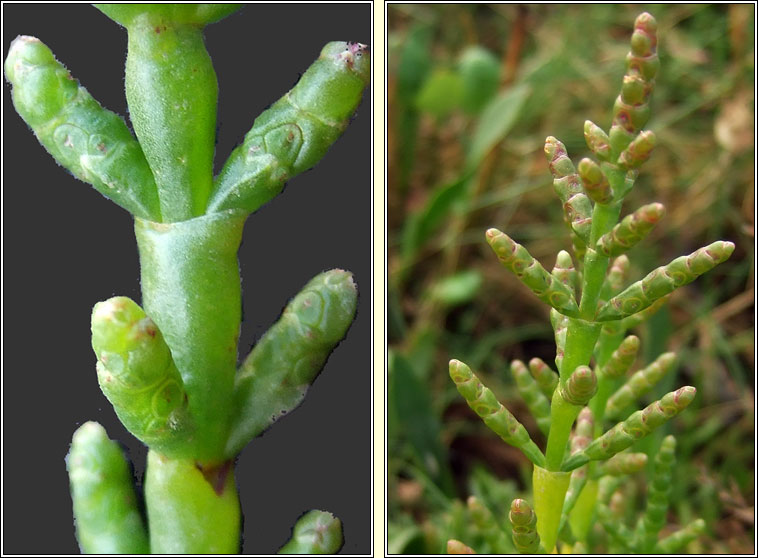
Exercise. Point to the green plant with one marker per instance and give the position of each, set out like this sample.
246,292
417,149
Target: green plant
172,376
591,313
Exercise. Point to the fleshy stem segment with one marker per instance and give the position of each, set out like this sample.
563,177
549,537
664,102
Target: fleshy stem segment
172,93
93,143
316,532
138,376
101,480
657,496
296,131
639,424
664,280
276,375
524,524
484,403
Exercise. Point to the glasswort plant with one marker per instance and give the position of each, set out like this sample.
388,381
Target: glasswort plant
169,367
577,474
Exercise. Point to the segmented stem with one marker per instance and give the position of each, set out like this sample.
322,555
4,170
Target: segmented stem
457,547
547,379
664,280
487,524
617,274
622,358
295,132
275,377
105,504
580,387
93,143
577,208
582,436
560,327
484,403
597,140
519,261
658,492
639,384
565,271
630,230
639,424
674,542
595,182
524,523
529,390
316,532
138,376
632,109
622,464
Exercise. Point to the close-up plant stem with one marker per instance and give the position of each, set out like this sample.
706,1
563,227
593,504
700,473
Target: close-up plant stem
169,365
592,199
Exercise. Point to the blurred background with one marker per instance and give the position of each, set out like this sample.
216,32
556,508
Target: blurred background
474,89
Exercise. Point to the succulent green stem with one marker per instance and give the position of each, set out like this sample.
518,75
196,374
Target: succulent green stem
191,290
639,424
316,532
275,377
549,489
138,376
658,492
488,525
525,528
681,538
538,403
191,510
101,480
481,399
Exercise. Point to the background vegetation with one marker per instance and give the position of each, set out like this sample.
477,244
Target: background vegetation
473,92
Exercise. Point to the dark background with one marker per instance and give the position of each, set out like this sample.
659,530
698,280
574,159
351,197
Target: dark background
66,247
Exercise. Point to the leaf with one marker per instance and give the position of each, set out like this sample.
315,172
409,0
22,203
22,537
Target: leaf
441,94
497,119
421,225
400,540
417,420
458,288
480,72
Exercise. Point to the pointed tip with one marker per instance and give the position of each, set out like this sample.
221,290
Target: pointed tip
655,211
458,370
585,414
684,396
632,340
646,21
492,233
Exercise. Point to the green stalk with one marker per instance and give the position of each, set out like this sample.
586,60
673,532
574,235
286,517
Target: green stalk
604,217
191,290
191,510
582,515
549,491
580,342
172,92
562,417
316,532
100,479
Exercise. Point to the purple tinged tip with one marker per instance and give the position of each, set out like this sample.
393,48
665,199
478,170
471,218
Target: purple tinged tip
646,22
684,396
